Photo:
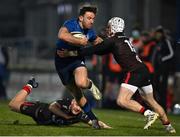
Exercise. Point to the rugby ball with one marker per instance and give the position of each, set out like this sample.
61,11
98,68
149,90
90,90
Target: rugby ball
78,34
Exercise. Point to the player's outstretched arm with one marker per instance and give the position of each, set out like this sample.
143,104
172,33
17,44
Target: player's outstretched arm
56,109
101,49
102,125
84,118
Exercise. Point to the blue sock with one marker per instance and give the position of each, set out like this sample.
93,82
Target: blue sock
87,109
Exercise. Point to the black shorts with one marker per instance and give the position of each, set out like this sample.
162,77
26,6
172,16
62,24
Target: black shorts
139,78
66,68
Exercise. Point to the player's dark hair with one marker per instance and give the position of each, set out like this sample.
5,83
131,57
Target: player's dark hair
85,9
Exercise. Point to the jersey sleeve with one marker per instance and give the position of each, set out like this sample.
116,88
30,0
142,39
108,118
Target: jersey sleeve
69,25
100,49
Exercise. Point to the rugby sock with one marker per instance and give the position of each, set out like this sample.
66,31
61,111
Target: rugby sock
142,110
91,115
87,109
165,123
28,88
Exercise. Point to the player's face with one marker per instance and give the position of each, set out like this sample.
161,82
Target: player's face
87,20
75,108
108,31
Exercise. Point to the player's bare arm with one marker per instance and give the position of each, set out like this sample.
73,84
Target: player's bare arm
65,35
56,109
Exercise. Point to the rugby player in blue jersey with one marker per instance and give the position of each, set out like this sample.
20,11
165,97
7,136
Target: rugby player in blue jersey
72,70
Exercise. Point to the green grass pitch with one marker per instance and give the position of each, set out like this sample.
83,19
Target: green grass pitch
124,123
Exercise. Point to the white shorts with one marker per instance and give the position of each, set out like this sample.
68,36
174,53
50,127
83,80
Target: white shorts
142,90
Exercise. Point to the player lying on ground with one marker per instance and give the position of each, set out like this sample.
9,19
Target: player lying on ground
137,77
60,112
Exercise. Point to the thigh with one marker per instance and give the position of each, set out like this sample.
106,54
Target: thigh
146,90
66,72
149,99
125,93
80,74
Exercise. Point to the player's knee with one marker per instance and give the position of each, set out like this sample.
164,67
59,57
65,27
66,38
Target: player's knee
121,102
82,83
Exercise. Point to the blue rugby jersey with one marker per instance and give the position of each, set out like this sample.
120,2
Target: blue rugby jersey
74,26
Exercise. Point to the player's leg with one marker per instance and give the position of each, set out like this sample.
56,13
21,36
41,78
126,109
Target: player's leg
124,99
83,103
138,78
82,81
147,95
21,96
67,75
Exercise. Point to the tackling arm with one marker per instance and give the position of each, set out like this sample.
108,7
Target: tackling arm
103,48
84,118
56,109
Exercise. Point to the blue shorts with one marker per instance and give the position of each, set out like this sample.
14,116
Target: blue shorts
65,69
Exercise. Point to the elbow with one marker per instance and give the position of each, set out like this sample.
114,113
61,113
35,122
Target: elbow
61,36
52,106
12,106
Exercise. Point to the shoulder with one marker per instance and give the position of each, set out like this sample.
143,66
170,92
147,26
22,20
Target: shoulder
72,25
71,21
124,40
